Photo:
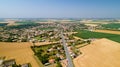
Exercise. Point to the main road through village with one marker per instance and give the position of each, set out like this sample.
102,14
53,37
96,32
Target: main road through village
69,59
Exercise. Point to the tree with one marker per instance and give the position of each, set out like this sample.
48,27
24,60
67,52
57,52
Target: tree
88,41
59,64
57,59
44,58
15,65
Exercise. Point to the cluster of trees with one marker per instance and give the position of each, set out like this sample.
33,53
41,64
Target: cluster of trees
44,56
3,24
59,64
10,39
71,37
15,65
21,26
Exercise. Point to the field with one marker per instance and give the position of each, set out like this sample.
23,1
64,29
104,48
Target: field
44,43
88,34
3,24
100,53
108,31
24,22
113,26
21,52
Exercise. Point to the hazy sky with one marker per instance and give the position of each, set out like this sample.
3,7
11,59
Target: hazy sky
59,8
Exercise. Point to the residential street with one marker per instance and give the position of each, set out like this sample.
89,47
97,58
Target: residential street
69,59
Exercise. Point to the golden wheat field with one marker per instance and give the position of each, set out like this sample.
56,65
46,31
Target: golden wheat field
21,52
100,53
108,31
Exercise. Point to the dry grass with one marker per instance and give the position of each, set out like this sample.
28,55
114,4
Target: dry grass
21,52
108,31
44,43
77,38
87,24
100,53
70,32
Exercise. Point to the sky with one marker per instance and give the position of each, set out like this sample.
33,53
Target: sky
59,8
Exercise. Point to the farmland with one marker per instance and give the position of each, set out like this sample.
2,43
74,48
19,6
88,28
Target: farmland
108,31
100,53
3,24
111,26
21,52
88,34
21,25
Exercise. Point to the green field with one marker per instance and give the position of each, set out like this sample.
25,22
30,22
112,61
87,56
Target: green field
3,24
88,34
114,26
24,22
22,25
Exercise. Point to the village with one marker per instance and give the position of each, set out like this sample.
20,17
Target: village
48,44
59,33
52,53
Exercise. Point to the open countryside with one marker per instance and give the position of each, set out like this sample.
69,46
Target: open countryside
102,49
108,31
89,34
21,52
52,44
59,33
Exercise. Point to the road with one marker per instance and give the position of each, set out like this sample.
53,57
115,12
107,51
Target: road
69,59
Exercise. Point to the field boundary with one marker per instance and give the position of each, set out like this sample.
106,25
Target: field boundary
38,61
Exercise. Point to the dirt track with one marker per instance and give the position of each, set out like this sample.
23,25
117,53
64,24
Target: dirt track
44,43
100,53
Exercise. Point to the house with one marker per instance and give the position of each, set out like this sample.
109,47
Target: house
51,49
1,63
52,61
25,65
62,57
58,55
8,63
73,55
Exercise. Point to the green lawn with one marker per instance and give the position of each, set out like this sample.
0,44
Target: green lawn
38,38
88,34
44,48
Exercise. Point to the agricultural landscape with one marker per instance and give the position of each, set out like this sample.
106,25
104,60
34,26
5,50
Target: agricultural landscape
45,44
59,33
